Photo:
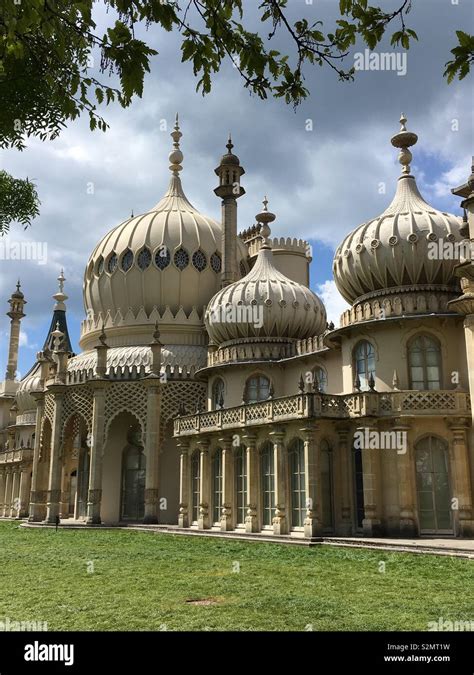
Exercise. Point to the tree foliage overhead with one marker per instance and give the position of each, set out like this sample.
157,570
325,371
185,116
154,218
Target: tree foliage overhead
18,201
55,62
47,48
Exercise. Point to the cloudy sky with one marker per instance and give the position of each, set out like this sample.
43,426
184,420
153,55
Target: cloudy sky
320,183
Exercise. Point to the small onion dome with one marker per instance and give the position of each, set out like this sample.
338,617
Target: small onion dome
264,304
229,157
18,295
393,250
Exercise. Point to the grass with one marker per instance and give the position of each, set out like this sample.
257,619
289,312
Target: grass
119,580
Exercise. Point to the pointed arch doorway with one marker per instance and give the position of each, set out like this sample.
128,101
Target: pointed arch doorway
433,486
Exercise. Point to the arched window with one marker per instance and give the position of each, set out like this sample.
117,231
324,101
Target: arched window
257,388
240,460
364,363
424,363
320,379
327,508
195,485
133,483
432,485
218,394
217,485
297,482
267,466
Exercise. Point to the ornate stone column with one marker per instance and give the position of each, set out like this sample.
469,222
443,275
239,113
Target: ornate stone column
406,485
184,483
36,514
54,482
227,517
152,450
371,476
15,502
25,483
94,496
8,492
461,488
312,474
253,483
280,520
343,467
205,485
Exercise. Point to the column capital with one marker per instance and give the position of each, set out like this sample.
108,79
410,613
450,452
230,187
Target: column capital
457,423
183,445
277,433
250,440
343,431
226,441
203,444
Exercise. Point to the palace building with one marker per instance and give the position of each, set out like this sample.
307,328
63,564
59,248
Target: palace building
210,392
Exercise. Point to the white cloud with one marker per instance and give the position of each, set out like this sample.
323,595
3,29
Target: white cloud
333,300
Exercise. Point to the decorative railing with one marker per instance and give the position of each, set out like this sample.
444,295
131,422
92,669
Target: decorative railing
26,419
19,455
314,405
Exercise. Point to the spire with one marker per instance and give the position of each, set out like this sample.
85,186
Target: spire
403,140
58,321
264,218
176,156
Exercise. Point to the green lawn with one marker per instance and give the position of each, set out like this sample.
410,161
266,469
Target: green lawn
143,581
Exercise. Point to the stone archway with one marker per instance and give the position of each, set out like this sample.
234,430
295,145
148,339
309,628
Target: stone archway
75,459
125,431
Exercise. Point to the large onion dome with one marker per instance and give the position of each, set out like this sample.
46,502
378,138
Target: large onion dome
265,303
169,256
392,252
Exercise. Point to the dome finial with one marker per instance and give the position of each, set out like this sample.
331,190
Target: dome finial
403,140
263,218
229,145
176,156
60,296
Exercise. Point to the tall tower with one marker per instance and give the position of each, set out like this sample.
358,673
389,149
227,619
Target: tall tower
229,190
16,314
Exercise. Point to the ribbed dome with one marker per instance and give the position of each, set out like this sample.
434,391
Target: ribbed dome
29,383
391,250
264,304
169,256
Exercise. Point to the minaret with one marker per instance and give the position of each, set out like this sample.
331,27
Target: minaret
16,314
229,190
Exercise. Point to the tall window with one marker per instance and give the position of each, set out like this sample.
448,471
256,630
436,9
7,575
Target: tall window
133,483
320,378
297,480
327,508
268,482
241,484
195,485
424,359
217,485
257,388
364,363
432,485
218,394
